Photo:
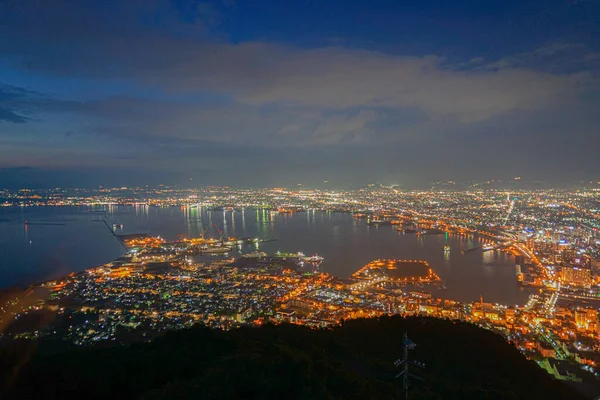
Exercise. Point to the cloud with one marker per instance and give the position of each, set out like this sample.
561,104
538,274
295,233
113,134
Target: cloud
258,74
21,168
340,78
291,96
191,97
18,103
11,116
555,58
11,92
336,78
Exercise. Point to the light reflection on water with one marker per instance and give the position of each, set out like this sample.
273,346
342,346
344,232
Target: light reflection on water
36,253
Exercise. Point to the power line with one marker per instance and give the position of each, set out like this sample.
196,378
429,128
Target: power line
404,362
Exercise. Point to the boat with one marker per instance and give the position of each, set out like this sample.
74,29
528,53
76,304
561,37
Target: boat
284,210
446,248
216,250
285,256
433,231
231,241
316,258
471,250
407,230
250,240
300,256
255,254
378,222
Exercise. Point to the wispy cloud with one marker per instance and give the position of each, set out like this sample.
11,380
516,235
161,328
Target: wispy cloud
195,98
555,58
11,116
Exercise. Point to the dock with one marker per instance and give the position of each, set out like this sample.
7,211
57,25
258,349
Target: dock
45,223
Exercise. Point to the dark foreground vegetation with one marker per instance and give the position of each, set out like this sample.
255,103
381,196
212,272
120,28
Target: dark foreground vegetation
353,361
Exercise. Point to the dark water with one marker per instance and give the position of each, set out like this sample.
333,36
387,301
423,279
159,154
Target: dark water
38,252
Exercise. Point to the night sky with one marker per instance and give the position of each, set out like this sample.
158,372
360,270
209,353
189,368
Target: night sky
268,93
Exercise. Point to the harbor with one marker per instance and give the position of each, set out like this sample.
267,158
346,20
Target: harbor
343,241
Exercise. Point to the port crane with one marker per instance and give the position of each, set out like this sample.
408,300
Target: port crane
220,233
203,232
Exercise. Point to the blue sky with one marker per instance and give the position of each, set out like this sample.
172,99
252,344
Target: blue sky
272,93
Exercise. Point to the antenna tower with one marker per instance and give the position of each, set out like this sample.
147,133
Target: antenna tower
404,363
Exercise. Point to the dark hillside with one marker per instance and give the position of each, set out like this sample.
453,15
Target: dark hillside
292,362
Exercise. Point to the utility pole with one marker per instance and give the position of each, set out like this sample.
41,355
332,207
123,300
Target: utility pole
403,362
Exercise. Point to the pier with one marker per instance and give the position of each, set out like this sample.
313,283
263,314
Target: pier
45,223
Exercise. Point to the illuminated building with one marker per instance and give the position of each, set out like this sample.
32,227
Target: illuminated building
568,256
545,350
586,319
556,237
519,260
298,304
522,236
576,275
510,314
428,309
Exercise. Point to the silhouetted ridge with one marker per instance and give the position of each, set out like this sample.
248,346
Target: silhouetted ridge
354,360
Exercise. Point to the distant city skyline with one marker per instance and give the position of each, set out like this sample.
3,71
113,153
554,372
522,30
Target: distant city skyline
264,94
30,179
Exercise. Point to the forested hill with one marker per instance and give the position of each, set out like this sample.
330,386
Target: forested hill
353,361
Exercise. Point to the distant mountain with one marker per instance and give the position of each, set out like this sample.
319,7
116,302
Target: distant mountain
352,361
